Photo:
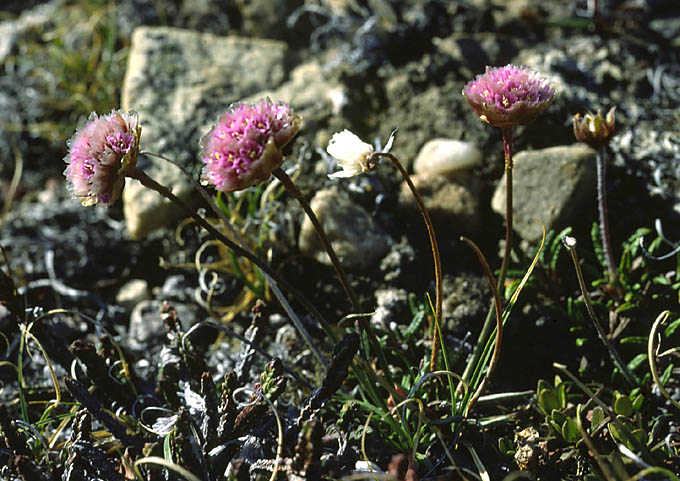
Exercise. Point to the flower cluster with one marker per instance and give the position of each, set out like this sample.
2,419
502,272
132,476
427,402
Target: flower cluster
100,154
595,130
508,96
244,148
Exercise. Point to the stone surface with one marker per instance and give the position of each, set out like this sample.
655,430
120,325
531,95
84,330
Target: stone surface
179,82
390,305
133,292
549,185
264,18
310,93
442,156
453,202
356,239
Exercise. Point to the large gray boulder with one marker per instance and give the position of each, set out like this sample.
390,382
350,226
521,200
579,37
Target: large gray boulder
550,185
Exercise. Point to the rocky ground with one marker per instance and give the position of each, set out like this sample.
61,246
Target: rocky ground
369,66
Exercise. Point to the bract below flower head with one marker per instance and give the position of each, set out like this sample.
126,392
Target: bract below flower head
100,154
244,148
509,96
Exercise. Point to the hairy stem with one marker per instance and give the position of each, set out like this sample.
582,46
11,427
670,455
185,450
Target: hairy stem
604,221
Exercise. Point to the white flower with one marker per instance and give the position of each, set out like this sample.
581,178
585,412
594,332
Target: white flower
350,152
354,155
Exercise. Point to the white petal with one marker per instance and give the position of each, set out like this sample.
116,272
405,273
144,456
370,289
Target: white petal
348,147
390,141
343,174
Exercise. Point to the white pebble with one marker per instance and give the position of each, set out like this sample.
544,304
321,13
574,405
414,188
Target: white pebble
442,156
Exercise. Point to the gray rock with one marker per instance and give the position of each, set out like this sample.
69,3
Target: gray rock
356,239
264,18
466,301
390,304
476,51
133,292
12,30
180,82
453,201
549,185
442,156
399,262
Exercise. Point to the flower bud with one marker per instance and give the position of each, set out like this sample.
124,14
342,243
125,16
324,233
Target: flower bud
594,130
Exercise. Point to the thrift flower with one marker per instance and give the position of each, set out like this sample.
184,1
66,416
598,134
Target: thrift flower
100,154
244,148
508,96
594,130
352,154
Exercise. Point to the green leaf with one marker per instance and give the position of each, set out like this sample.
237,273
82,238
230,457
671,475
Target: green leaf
637,361
561,392
548,401
597,245
623,405
542,384
506,447
637,401
666,374
596,418
672,327
634,340
570,431
626,306
640,436
558,417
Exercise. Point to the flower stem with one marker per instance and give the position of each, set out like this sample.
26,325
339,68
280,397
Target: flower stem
570,244
295,319
602,205
435,256
369,338
323,238
148,182
491,317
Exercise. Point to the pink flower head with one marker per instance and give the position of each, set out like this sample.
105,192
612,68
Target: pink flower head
244,148
509,96
100,153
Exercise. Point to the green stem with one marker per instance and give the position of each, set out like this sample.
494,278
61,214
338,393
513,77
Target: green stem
435,256
292,189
